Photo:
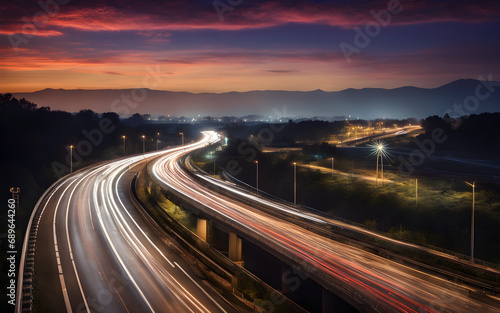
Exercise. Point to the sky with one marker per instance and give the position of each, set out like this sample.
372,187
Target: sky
241,45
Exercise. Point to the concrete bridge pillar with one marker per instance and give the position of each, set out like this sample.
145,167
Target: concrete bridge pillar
202,228
234,247
328,301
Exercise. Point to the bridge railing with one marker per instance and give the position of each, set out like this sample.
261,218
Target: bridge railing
345,291
307,209
212,258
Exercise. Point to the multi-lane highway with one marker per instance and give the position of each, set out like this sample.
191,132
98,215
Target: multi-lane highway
385,285
312,219
95,253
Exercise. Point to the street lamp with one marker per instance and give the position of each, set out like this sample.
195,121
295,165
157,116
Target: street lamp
473,185
71,158
182,134
332,165
124,145
416,192
378,149
157,140
143,144
294,183
257,179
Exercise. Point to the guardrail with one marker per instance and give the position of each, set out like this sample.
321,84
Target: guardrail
344,291
24,294
486,264
396,251
214,259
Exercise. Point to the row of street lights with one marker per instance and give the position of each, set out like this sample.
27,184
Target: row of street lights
380,153
144,142
71,147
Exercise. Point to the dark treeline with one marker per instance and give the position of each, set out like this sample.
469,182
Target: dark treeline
36,142
443,214
310,131
442,217
476,134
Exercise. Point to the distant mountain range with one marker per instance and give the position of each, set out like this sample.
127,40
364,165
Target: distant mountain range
367,103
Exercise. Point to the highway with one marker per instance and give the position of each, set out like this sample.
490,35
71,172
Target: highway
385,285
95,253
315,219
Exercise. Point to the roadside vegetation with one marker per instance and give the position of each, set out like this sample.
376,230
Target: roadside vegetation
441,217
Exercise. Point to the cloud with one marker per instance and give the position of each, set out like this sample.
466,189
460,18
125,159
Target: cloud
112,73
280,71
31,32
147,17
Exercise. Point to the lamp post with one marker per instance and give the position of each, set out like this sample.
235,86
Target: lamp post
332,166
124,145
71,158
157,140
143,144
257,179
294,183
182,134
473,185
416,192
382,167
379,151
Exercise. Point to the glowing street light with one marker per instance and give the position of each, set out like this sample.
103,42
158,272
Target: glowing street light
124,145
71,158
182,134
378,149
157,140
294,183
143,144
473,185
257,179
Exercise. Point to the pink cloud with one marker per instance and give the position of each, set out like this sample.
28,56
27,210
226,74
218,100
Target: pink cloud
36,32
186,16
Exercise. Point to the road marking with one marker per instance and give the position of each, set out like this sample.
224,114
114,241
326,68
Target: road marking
135,223
63,284
61,275
91,219
69,242
65,294
113,248
121,299
102,271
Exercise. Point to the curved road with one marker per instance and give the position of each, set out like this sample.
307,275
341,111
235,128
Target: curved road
95,253
315,219
386,285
